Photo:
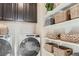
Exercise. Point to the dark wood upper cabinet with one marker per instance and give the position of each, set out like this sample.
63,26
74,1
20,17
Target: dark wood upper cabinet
7,11
19,12
25,11
30,12
33,12
15,11
1,11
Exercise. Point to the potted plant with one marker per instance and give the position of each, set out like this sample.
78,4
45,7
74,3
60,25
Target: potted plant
49,6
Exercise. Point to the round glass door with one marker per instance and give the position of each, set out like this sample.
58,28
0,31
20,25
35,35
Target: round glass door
29,47
5,47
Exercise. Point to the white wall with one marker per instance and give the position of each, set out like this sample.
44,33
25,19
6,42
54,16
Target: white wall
20,27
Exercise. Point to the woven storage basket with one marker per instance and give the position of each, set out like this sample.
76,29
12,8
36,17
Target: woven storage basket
53,35
3,29
62,51
49,47
63,16
70,38
74,11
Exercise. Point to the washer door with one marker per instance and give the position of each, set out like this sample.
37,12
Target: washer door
29,47
5,47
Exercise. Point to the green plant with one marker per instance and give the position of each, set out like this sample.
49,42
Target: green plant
49,6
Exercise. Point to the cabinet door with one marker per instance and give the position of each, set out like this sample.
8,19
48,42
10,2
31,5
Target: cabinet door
33,12
15,11
7,12
30,12
1,11
20,11
26,12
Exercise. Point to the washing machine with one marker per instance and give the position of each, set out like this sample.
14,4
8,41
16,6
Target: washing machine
29,46
5,45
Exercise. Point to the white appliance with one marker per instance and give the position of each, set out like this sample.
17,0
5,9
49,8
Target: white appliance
5,45
29,45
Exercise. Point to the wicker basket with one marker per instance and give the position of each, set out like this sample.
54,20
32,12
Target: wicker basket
74,11
62,51
63,16
3,29
49,47
53,35
70,38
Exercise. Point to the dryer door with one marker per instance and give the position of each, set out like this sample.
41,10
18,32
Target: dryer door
5,47
29,47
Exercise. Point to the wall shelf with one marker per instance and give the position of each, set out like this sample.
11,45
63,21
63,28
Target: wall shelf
67,24
60,8
74,46
60,41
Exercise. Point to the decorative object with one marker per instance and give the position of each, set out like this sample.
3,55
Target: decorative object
49,21
49,6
